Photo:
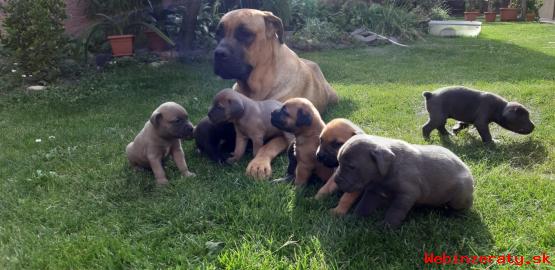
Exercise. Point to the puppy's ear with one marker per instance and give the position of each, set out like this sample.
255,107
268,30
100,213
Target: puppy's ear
303,119
274,26
236,108
383,158
155,119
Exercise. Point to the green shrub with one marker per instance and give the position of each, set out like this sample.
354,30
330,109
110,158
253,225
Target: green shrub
35,34
396,21
317,34
114,7
439,13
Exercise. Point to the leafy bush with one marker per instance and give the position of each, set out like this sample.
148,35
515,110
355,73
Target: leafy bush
114,7
317,34
35,35
396,21
439,13
207,21
301,10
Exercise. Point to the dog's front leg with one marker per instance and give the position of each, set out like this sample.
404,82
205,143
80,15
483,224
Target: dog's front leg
179,158
156,166
327,189
240,148
345,203
302,173
400,206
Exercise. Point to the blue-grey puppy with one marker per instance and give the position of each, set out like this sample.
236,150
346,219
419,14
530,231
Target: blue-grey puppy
402,175
478,108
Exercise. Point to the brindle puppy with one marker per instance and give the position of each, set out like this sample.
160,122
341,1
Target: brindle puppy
300,117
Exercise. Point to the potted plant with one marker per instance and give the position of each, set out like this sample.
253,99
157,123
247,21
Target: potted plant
472,10
490,14
168,20
119,29
532,7
510,13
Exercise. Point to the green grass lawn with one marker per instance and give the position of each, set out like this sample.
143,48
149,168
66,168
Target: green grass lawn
70,201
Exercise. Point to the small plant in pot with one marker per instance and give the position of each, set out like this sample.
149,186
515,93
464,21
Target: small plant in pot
490,15
119,29
510,13
472,10
532,7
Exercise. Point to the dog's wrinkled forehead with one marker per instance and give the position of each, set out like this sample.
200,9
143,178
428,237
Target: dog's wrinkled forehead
353,146
337,131
236,22
172,110
225,95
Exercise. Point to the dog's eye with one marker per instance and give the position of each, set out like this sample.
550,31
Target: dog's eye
336,144
244,36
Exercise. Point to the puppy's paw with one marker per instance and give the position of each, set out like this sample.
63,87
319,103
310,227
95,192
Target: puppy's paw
162,182
389,225
320,195
230,160
189,174
338,212
259,169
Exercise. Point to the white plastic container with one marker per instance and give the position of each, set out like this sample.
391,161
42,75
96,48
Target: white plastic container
455,28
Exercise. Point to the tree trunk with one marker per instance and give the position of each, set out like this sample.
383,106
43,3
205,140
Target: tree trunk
523,10
187,35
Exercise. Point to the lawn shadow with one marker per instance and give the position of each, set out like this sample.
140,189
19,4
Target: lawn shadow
425,230
342,109
519,154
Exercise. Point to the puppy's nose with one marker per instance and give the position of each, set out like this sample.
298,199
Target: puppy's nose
221,54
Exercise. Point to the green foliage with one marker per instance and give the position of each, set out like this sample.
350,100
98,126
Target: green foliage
534,5
207,21
35,35
439,13
472,5
280,8
301,10
317,34
394,21
113,7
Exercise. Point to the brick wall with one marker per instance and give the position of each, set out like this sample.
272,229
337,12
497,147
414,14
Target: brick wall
76,22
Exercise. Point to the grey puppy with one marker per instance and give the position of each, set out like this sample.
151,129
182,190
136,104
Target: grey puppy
160,137
470,106
403,175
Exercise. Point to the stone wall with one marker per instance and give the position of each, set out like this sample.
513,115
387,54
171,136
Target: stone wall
547,11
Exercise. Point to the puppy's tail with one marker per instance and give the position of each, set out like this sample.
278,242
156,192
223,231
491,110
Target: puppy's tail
427,95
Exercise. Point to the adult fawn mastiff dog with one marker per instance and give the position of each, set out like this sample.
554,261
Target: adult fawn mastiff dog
251,50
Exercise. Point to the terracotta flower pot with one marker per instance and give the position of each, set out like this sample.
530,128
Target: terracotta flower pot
155,42
471,15
508,14
531,16
122,45
490,16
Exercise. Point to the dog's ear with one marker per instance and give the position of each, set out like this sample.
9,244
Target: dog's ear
236,108
303,119
155,119
383,158
274,26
